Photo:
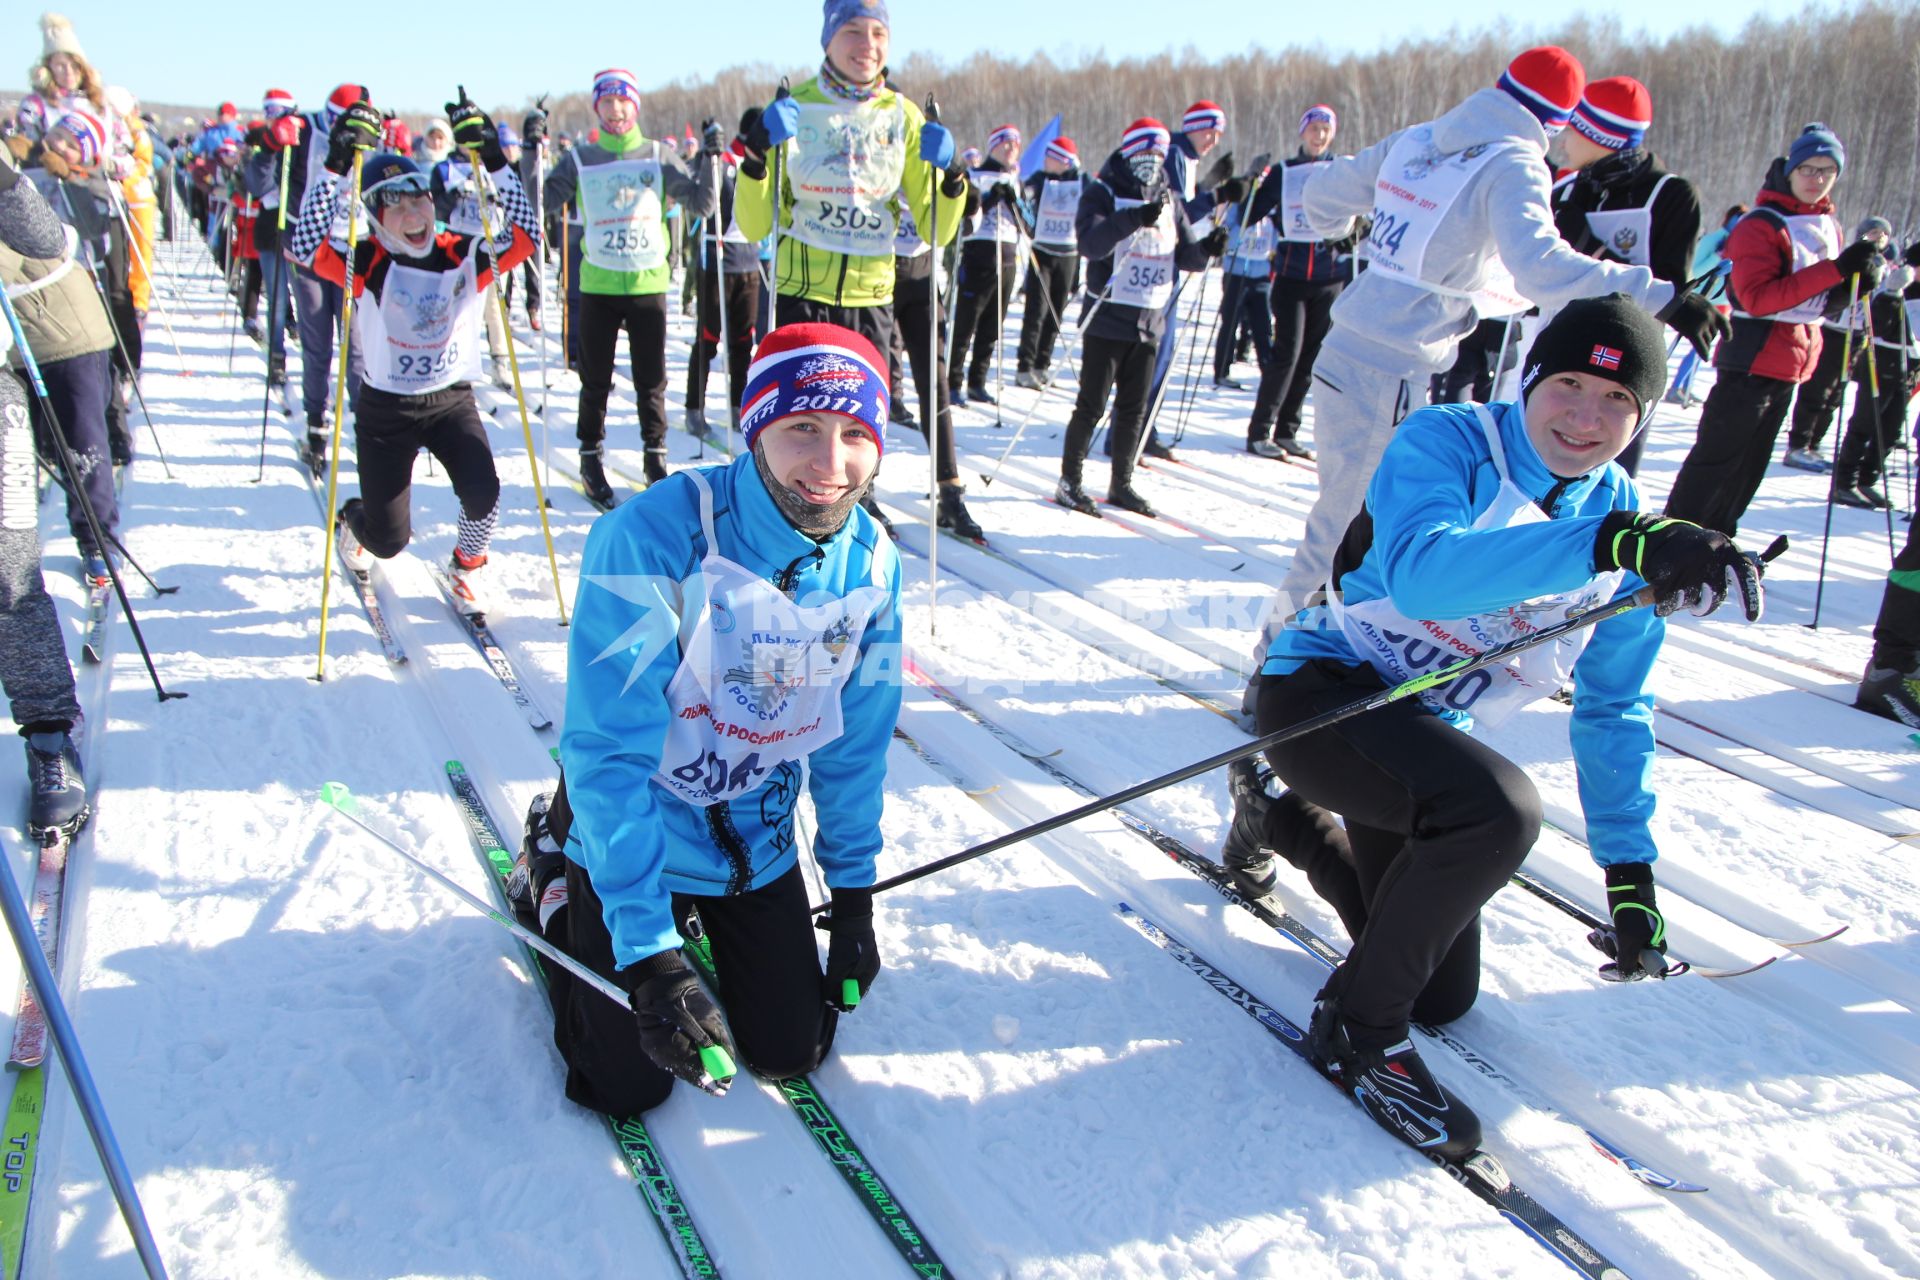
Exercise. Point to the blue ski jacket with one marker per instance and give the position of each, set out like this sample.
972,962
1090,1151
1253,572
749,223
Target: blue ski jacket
637,841
1413,543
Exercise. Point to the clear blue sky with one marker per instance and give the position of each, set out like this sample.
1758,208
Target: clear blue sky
413,54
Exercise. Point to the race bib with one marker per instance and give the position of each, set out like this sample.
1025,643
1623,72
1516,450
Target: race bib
620,215
843,167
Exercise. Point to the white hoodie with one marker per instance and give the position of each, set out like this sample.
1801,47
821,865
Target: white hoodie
1412,332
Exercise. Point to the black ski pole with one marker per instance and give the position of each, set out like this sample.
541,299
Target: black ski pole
276,318
72,469
1359,706
112,538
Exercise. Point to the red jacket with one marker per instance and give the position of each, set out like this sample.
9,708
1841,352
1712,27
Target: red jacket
1764,283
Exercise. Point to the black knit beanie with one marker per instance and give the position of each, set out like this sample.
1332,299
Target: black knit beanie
1609,337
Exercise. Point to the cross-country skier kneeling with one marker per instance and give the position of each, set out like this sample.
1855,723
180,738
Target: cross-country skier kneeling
736,636
1482,523
417,324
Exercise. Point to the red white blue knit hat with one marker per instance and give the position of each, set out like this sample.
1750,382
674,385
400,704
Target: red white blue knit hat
1063,150
615,82
89,132
1203,115
277,103
1318,111
1548,82
1615,113
1145,134
1005,133
815,368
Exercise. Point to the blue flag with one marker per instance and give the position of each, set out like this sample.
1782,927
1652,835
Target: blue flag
1036,153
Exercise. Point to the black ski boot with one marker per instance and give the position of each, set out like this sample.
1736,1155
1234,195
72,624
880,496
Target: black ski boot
1892,693
953,515
977,393
537,886
58,807
1393,1085
1248,854
593,479
899,412
1123,495
697,421
655,466
315,453
1155,449
1070,495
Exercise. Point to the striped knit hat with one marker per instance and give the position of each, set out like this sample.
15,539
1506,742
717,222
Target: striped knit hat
1144,134
1004,134
1319,111
815,368
615,82
1546,81
276,103
1063,150
1615,113
1203,115
88,131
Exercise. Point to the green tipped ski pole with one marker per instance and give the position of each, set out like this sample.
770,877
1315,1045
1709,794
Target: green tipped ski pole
718,1062
1400,692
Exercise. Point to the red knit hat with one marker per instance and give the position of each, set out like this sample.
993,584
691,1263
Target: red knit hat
1203,115
1063,150
346,95
815,368
1005,133
1615,112
1144,134
1548,82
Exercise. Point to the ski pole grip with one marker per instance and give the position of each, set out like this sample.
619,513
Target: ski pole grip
849,992
719,1064
933,110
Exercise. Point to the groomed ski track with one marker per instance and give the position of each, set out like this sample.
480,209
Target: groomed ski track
319,1066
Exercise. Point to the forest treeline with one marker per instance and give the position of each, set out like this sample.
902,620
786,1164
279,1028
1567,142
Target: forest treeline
1724,105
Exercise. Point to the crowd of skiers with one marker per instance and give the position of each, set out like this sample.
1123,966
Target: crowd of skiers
1478,306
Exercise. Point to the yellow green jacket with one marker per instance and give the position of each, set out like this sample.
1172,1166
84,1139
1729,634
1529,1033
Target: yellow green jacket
822,275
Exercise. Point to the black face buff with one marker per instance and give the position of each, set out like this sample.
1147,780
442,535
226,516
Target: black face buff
816,521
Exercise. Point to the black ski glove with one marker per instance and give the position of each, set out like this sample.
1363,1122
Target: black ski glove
1232,191
853,957
1687,566
1694,318
1862,258
953,180
473,130
680,1028
1637,941
357,129
533,129
258,136
1218,172
713,138
974,202
1152,207
1216,242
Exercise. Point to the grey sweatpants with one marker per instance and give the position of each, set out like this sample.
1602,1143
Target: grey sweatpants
1355,410
33,658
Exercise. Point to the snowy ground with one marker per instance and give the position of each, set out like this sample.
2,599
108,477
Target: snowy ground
320,1064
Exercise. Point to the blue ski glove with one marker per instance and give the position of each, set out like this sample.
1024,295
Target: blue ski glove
853,956
936,144
781,120
1637,942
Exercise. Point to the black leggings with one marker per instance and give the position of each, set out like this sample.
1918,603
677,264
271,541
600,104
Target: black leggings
770,981
602,317
988,271
388,433
1436,822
